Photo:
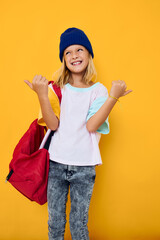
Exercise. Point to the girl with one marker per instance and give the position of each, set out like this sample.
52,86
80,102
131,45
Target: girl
74,150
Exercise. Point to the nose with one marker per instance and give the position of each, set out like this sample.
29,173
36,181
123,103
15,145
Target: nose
74,55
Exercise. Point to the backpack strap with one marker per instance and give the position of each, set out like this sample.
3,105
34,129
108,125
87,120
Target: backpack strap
55,96
57,90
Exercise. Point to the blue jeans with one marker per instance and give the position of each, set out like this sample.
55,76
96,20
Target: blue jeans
81,181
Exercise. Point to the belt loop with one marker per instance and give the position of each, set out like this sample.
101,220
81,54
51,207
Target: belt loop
69,167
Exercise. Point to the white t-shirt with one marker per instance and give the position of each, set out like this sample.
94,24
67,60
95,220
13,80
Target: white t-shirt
72,143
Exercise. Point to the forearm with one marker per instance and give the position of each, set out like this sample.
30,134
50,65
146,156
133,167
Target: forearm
49,116
100,116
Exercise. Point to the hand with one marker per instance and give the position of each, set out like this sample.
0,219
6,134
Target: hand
118,89
39,85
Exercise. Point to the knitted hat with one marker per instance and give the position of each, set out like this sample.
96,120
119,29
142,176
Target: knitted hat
73,36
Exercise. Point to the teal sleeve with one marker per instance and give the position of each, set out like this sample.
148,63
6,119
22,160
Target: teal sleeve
96,105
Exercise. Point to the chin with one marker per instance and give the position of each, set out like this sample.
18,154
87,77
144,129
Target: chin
78,71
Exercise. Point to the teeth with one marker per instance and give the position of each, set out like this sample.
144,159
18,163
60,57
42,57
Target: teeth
76,63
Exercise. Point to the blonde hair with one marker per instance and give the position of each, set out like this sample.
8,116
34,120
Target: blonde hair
61,76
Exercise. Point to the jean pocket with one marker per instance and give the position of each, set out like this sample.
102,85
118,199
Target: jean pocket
94,175
89,172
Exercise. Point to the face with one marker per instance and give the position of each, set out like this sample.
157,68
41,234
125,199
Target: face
76,58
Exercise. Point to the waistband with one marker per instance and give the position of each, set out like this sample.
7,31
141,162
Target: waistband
69,167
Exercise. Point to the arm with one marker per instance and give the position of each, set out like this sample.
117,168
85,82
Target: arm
100,116
49,117
40,86
117,90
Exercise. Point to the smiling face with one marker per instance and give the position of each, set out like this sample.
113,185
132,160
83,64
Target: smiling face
76,58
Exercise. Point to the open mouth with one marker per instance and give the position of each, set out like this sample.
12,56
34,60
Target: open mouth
77,63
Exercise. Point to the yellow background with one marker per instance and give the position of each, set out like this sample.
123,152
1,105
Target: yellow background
126,41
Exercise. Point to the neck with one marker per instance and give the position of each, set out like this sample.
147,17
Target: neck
76,79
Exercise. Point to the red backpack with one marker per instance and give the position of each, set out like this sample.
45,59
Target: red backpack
29,167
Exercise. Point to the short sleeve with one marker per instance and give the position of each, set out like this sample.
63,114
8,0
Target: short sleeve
54,103
99,100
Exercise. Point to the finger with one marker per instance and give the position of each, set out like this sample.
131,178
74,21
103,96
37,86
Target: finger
45,80
34,79
37,79
128,91
122,82
113,82
119,81
40,79
28,83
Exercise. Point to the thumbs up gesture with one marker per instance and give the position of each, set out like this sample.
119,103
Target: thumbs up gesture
39,85
118,89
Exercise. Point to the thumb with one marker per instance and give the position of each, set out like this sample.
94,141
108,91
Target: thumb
126,92
29,84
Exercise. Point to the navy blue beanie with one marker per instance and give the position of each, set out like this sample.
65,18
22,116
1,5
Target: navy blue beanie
73,36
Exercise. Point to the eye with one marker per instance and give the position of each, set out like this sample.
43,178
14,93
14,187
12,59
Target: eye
78,50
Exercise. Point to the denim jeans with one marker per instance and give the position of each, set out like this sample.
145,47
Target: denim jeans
81,181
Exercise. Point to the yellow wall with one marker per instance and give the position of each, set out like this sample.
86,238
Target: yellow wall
125,38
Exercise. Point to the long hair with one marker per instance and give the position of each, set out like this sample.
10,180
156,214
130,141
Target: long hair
61,76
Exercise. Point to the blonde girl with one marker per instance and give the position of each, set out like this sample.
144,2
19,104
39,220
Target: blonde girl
74,148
